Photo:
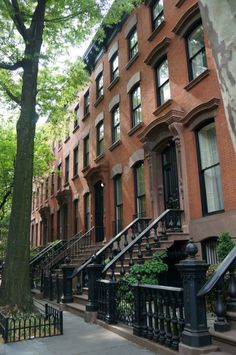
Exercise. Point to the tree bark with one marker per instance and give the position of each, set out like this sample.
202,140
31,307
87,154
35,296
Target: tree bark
220,25
15,288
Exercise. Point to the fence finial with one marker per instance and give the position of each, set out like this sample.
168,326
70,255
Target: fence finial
191,249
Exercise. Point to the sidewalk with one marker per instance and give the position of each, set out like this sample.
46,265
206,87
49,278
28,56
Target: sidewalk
79,338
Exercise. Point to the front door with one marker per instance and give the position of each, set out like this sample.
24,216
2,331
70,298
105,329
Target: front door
99,228
170,177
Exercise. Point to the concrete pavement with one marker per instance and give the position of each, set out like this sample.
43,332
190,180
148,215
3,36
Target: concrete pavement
79,338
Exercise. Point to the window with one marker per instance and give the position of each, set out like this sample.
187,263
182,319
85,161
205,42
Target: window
140,190
37,197
76,161
86,212
67,169
52,227
52,184
37,234
59,224
99,85
210,177
86,151
136,114
59,177
115,115
76,217
118,203
114,65
86,103
157,14
163,84
100,138
32,234
133,43
76,117
41,233
196,52
46,189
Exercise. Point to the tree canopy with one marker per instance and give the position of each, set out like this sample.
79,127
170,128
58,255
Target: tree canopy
34,34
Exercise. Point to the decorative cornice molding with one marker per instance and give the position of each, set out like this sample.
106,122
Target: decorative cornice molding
190,16
208,107
158,52
168,118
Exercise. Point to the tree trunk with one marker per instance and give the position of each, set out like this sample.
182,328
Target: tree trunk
220,25
15,288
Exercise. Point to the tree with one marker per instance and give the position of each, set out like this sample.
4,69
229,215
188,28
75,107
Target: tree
219,22
34,33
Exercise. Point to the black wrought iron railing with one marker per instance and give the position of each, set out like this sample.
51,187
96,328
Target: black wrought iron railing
168,220
155,312
71,249
46,252
113,247
225,299
25,327
159,313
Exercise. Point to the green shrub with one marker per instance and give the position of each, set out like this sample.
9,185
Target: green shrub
149,271
224,245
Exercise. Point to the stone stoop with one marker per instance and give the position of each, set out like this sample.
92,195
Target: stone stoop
225,341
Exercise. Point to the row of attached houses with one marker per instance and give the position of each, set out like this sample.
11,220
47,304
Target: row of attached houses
149,134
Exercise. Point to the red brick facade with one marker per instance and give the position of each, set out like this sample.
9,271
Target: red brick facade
192,104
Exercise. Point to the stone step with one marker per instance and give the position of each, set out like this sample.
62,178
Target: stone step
75,308
225,341
231,316
81,299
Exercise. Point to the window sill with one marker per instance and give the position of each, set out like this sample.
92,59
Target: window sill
179,3
135,128
212,213
76,176
156,31
85,116
197,80
86,168
114,145
99,157
162,107
113,83
67,138
98,100
131,61
60,148
75,129
66,184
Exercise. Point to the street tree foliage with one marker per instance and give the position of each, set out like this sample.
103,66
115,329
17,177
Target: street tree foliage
34,33
43,161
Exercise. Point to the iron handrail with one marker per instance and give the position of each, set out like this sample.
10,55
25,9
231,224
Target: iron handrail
219,273
106,246
136,240
45,252
67,250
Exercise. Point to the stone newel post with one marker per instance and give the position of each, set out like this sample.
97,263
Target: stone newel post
67,283
193,272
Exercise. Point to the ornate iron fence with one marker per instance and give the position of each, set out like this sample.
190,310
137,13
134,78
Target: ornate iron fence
53,287
25,327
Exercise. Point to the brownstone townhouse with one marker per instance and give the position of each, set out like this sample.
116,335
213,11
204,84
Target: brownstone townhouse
149,134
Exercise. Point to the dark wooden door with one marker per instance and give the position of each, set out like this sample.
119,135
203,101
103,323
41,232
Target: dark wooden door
170,177
99,210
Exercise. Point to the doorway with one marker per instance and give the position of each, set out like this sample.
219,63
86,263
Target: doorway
98,211
170,177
